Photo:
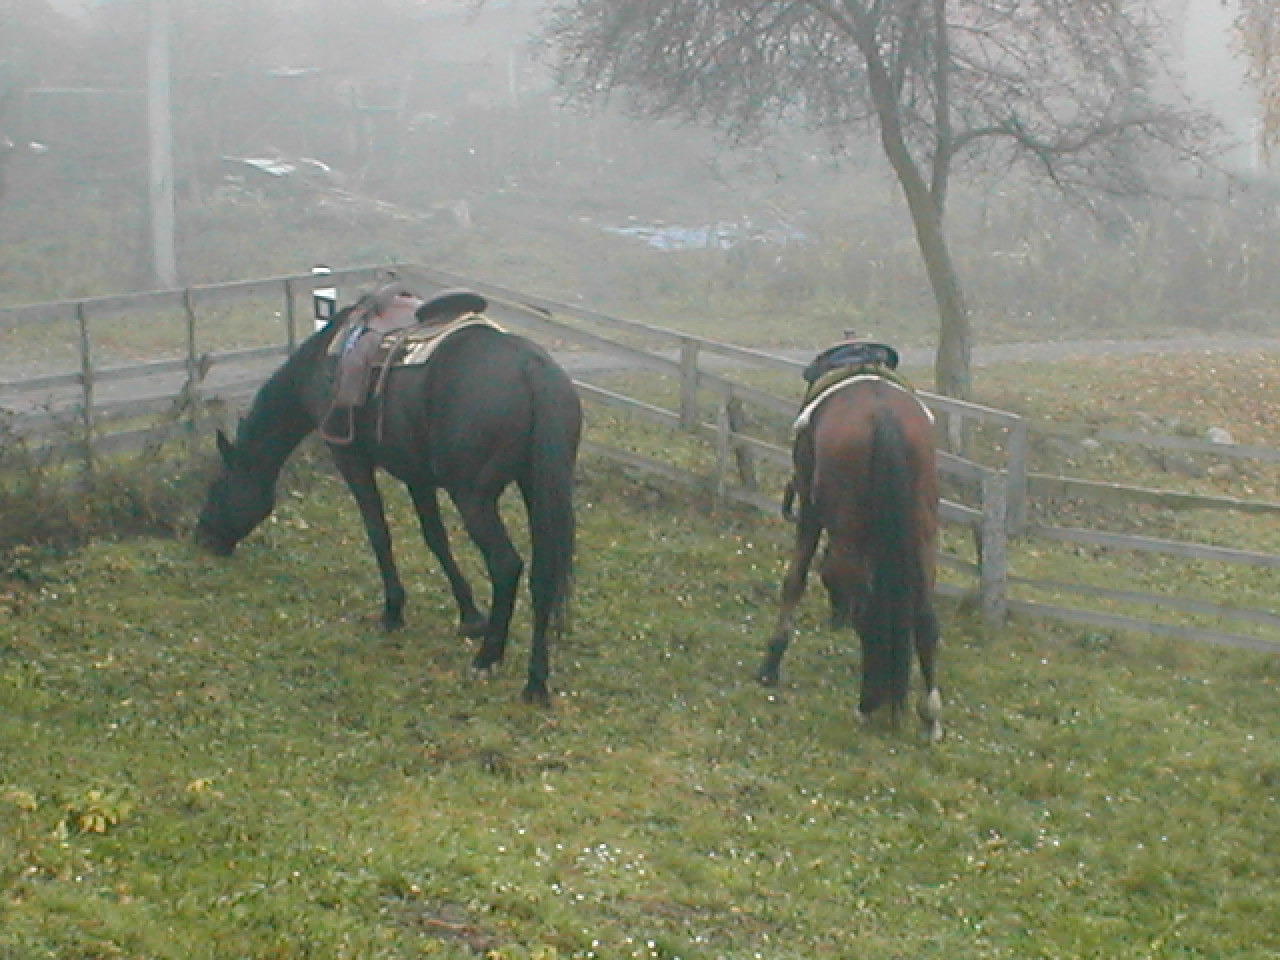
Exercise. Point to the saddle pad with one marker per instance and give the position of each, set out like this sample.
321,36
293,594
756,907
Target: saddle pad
806,414
414,347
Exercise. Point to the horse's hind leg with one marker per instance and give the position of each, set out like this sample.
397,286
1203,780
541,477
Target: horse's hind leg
471,622
807,536
926,641
484,524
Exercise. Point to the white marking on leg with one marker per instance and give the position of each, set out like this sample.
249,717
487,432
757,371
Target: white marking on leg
930,711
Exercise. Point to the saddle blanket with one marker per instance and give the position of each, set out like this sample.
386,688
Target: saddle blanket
414,345
806,414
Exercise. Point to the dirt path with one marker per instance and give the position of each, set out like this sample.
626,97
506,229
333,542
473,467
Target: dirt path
585,363
1023,352
984,355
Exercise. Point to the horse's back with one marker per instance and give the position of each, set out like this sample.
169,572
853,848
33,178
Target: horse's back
472,407
486,374
845,423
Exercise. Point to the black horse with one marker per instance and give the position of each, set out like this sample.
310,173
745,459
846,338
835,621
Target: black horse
488,408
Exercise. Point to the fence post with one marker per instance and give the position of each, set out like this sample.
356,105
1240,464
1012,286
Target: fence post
995,549
737,420
290,318
324,300
86,385
688,383
195,369
724,444
1019,445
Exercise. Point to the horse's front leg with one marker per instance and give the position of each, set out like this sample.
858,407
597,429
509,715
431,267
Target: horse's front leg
359,476
471,622
808,533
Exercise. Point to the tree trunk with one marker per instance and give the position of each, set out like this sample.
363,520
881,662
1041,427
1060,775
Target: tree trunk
952,368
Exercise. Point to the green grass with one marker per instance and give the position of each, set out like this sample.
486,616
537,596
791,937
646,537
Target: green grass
209,759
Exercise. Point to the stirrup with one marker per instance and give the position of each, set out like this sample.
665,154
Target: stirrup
333,430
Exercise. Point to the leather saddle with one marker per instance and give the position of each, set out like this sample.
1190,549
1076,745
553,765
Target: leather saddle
374,328
852,353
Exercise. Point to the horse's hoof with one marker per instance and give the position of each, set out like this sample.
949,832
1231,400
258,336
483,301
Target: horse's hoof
933,733
536,695
392,624
768,678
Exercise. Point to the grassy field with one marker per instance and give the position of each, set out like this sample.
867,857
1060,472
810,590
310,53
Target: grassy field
219,760
227,759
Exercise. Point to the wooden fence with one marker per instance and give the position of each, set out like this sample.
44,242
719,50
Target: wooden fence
117,407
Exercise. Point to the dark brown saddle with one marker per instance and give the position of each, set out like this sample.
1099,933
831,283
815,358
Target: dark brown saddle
852,353
377,328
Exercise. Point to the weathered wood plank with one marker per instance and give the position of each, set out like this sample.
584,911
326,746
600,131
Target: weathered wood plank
1050,487
645,464
1116,621
647,411
138,371
1176,548
1158,441
1164,601
957,466
954,512
52,381
952,562
172,300
762,448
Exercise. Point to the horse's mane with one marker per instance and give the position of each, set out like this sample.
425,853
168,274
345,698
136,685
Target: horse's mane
279,400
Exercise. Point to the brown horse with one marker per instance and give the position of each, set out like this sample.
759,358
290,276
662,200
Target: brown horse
867,475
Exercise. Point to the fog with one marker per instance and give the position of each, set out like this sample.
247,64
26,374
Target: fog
1215,74
358,130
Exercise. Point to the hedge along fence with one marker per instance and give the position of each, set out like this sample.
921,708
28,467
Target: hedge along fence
712,407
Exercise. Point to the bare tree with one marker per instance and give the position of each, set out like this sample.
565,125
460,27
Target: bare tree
1071,92
1258,35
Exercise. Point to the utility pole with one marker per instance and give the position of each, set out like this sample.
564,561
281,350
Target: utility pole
160,136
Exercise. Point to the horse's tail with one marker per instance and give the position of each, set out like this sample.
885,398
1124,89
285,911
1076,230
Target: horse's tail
895,562
548,491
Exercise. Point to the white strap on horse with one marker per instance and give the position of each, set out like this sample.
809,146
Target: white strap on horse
419,351
806,414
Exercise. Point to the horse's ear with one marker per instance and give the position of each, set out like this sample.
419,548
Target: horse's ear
225,447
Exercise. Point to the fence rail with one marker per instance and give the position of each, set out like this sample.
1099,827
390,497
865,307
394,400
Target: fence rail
109,405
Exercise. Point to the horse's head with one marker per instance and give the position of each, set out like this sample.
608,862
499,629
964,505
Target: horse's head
241,497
